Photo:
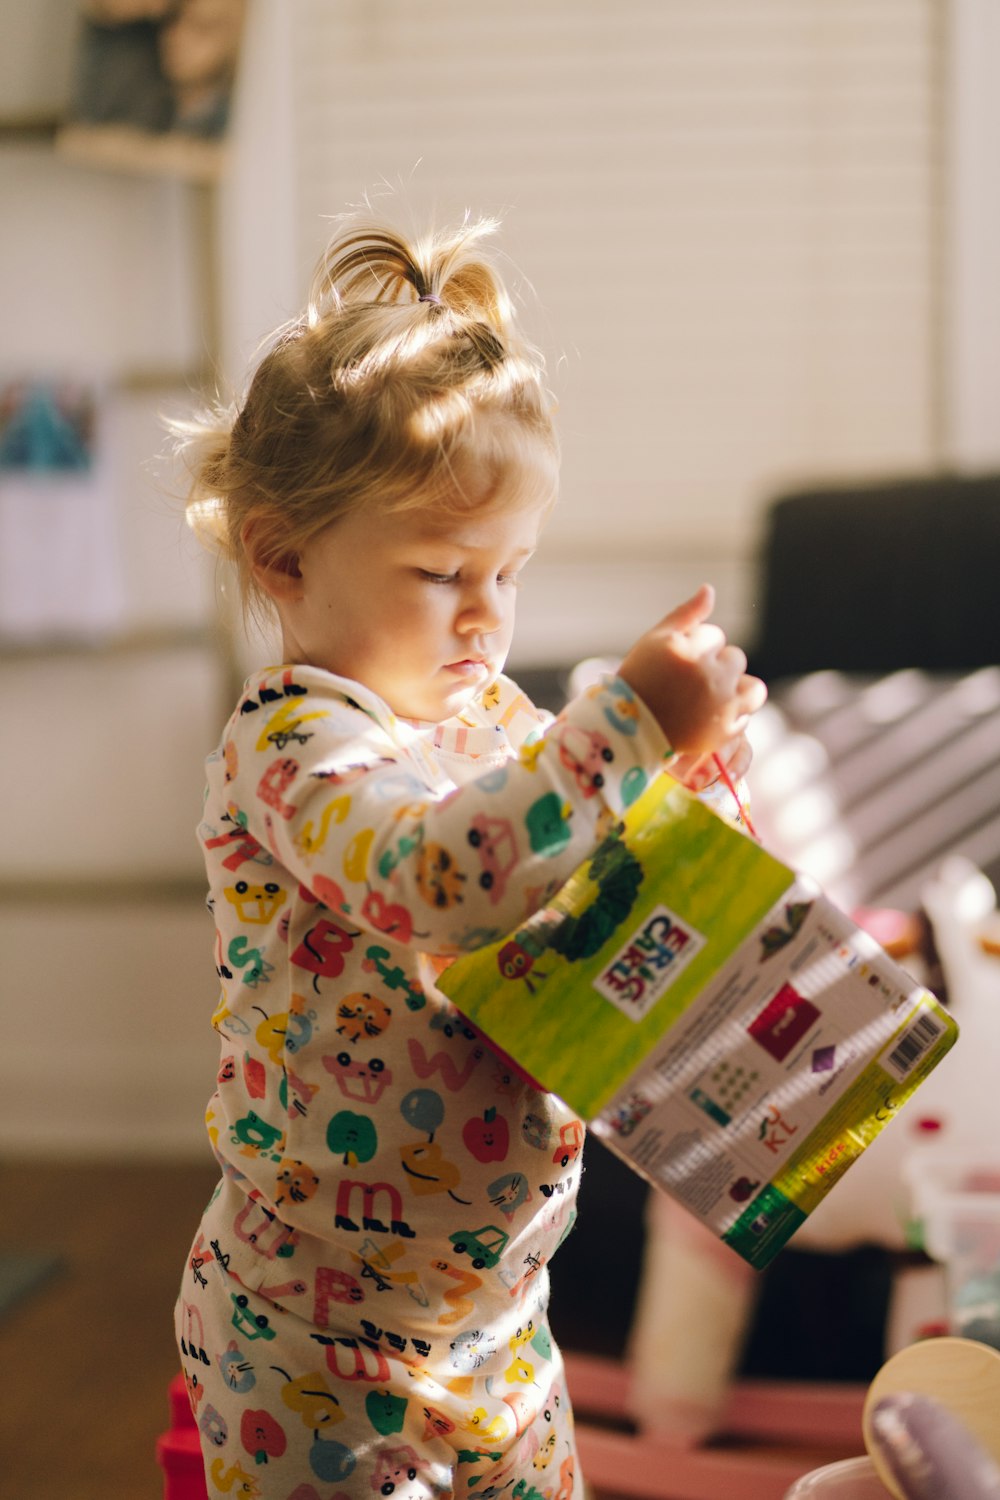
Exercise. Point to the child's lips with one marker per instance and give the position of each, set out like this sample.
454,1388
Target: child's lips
469,667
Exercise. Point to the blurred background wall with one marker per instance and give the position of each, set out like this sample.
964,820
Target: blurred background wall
757,241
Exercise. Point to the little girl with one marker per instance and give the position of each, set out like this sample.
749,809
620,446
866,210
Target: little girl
363,1311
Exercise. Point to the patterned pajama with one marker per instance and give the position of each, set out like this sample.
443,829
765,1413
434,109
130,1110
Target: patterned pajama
363,1311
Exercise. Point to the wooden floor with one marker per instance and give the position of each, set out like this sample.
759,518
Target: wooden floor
86,1358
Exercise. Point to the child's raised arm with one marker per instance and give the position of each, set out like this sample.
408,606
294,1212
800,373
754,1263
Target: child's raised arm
694,683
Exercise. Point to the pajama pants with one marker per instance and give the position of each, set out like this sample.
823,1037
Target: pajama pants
288,1410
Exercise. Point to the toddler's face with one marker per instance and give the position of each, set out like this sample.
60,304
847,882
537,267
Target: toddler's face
418,607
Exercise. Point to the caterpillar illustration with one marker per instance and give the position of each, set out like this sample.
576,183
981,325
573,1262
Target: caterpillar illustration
617,875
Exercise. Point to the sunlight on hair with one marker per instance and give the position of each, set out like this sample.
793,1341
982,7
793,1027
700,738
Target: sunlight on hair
439,417
207,519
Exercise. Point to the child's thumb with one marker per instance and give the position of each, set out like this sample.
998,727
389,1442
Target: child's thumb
692,612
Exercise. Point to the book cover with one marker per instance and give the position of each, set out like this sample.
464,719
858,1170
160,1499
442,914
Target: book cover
711,1015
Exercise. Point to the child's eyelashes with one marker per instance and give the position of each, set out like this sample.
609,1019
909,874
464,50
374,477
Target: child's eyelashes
510,579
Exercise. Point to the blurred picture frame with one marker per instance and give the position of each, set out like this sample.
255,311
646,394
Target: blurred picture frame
152,85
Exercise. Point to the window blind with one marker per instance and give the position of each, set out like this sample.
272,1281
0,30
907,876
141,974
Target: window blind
722,219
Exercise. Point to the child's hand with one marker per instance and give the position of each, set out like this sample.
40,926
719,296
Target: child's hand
692,681
697,772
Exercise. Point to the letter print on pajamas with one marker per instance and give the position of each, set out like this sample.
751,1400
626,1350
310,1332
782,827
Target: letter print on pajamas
364,1308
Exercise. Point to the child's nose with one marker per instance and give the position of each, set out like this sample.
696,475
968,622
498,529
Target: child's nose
482,610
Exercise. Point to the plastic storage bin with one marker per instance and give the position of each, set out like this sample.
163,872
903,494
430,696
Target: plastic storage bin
957,1200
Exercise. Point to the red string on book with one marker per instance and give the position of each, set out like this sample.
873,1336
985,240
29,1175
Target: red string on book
728,780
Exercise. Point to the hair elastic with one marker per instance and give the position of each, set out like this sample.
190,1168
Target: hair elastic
430,297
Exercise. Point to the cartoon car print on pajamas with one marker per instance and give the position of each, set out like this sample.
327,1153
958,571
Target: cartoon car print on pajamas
485,1245
586,753
570,1143
494,842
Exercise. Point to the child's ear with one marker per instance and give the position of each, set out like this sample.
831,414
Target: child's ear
277,573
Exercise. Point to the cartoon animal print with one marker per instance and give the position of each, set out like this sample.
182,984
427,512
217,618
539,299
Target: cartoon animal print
296,1182
255,903
508,1193
362,1015
472,1349
237,1371
439,880
365,1082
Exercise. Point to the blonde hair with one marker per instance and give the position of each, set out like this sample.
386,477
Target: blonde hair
404,384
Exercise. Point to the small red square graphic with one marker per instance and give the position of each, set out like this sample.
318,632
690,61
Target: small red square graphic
783,1022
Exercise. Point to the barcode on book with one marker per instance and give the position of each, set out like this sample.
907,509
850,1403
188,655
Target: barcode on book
913,1044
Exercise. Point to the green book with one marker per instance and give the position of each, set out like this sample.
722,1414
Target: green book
711,1015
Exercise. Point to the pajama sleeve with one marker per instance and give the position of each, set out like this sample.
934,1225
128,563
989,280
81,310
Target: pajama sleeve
322,776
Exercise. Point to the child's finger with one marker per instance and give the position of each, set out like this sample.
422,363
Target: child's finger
751,694
692,612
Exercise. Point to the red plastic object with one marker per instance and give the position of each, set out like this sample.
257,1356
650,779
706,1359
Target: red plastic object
178,1450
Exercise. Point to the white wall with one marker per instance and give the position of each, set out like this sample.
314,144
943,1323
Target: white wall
106,982
970,292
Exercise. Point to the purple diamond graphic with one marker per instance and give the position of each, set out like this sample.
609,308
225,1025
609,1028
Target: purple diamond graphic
823,1059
